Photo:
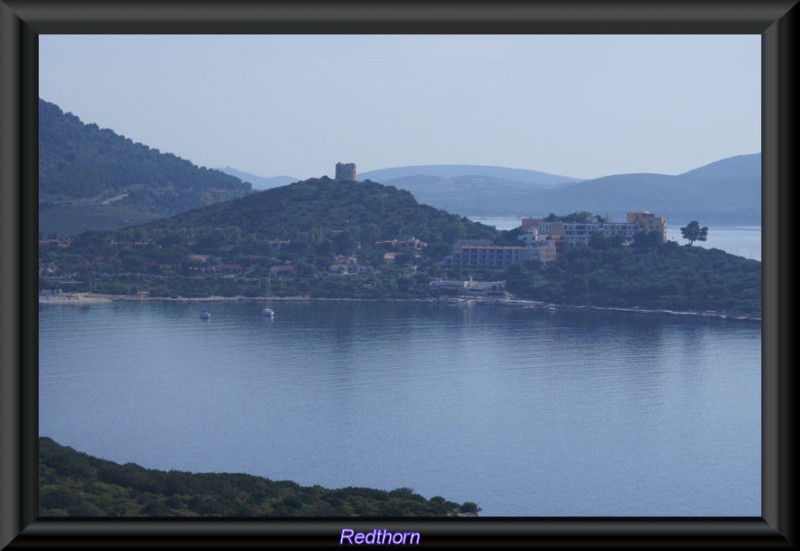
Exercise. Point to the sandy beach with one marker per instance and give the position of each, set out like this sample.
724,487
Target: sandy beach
95,298
75,298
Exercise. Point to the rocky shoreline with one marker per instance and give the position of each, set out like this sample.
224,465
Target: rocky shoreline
93,298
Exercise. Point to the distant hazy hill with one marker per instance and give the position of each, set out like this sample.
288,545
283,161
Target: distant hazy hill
259,182
740,166
726,191
92,178
466,194
466,189
514,175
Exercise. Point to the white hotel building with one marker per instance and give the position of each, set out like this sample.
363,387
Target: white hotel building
580,232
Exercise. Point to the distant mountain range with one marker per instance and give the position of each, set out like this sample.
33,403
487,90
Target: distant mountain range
93,178
516,177
723,192
741,166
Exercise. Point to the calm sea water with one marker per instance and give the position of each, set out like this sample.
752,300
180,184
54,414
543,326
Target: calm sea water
739,240
524,412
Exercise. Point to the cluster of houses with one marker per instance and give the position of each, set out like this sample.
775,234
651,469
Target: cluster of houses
543,238
573,233
57,242
541,241
398,246
346,265
204,264
349,265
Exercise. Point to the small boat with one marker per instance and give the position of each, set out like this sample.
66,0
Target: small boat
205,314
268,312
552,309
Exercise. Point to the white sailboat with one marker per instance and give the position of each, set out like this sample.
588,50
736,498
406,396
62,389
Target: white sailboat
268,312
206,315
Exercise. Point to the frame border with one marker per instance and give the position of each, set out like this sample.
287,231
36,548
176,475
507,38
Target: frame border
21,21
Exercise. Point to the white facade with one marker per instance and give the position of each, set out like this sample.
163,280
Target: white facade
578,232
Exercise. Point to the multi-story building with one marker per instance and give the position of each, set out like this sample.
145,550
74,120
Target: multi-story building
473,256
581,232
649,222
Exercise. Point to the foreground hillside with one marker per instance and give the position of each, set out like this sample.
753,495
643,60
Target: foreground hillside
72,483
92,178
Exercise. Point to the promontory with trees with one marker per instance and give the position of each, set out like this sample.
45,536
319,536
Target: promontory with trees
327,238
72,483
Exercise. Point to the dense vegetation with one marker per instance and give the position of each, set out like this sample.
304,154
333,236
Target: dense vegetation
72,483
646,274
92,178
329,234
581,217
323,210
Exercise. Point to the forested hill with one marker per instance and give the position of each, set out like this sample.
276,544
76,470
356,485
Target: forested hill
314,211
75,484
93,178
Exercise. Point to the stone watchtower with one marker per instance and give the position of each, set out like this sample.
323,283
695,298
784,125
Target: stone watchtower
346,171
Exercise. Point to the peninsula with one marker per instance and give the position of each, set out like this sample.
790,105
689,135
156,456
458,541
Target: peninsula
345,238
72,483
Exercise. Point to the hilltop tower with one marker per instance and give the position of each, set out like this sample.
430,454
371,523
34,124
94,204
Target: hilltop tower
346,171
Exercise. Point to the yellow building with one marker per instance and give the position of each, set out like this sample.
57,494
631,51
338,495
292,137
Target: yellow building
650,222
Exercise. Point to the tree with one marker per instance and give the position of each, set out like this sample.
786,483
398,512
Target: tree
604,242
646,240
693,232
469,507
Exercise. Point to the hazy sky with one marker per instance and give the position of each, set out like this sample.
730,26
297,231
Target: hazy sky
580,106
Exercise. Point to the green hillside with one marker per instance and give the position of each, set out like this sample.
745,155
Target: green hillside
330,237
75,484
649,275
320,207
93,178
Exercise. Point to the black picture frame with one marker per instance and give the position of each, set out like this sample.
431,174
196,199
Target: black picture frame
21,21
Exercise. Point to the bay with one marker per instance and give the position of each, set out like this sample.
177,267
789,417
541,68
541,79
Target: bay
525,412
